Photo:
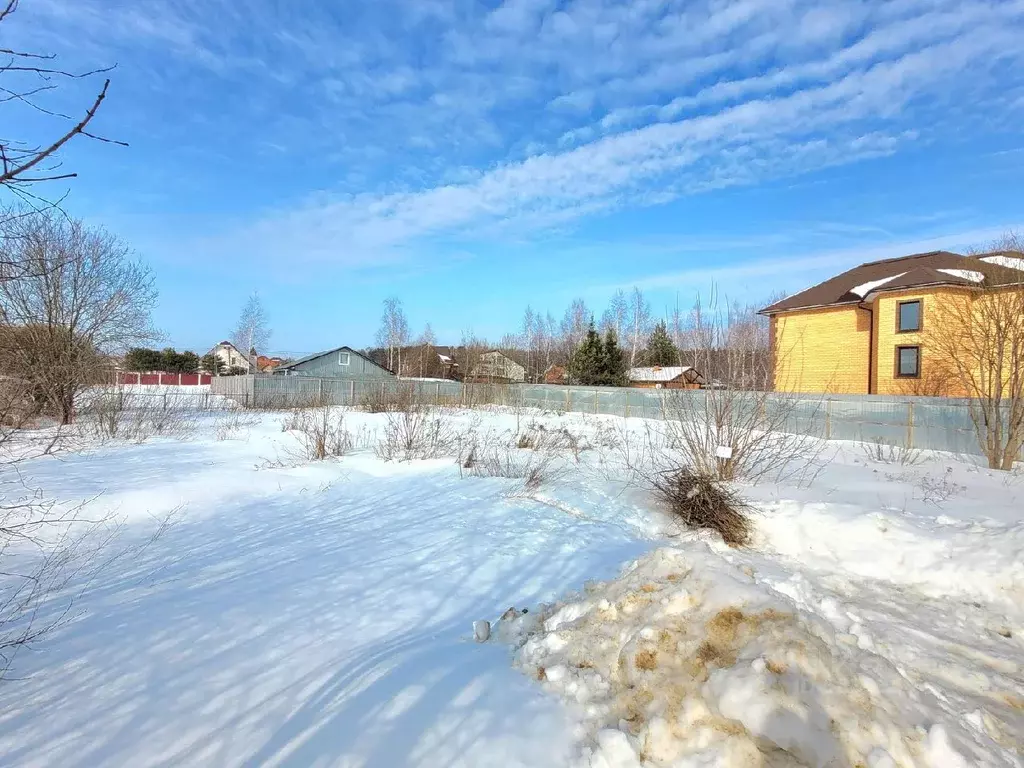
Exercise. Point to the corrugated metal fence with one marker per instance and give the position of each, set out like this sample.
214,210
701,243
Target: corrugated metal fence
917,422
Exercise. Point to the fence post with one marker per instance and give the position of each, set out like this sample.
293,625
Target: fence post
352,393
597,401
626,413
910,425
320,391
828,419
165,401
437,393
568,399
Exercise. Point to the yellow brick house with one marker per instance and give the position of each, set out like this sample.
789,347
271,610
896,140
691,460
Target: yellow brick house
871,330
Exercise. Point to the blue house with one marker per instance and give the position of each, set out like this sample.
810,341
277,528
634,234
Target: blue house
340,363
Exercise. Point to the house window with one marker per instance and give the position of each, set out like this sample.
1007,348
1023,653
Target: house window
908,318
908,362
344,358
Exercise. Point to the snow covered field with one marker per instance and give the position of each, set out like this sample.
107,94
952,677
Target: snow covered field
320,613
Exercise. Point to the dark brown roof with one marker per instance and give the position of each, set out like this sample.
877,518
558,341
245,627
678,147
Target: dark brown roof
921,269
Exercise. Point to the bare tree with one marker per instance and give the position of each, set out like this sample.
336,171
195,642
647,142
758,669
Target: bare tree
426,343
528,342
393,333
676,329
977,343
252,332
26,78
70,297
616,315
639,318
575,323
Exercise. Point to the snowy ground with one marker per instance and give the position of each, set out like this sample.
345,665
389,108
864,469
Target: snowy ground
320,614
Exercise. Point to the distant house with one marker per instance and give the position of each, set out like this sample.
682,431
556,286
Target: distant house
230,356
449,368
495,367
667,377
555,374
266,364
339,363
872,330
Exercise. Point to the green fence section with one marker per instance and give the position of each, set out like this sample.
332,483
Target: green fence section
915,422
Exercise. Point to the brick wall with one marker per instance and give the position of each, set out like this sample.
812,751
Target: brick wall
936,378
822,350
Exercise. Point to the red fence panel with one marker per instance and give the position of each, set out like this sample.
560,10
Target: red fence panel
149,379
189,379
205,378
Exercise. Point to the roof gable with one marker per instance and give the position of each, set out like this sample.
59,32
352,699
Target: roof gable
318,355
919,270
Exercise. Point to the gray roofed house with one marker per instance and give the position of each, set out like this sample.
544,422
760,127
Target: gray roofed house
338,363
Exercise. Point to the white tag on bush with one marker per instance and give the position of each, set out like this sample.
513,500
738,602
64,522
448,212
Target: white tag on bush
723,452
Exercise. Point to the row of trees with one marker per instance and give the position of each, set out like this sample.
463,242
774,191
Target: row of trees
168,360
543,343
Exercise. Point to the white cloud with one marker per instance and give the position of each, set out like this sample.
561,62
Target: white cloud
424,110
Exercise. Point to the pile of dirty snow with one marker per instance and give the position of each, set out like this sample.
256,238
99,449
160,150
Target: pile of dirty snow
686,660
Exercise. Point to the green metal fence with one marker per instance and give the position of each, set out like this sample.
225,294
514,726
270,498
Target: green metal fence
915,422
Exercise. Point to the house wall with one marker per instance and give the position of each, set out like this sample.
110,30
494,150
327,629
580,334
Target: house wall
936,377
327,366
677,383
822,350
231,357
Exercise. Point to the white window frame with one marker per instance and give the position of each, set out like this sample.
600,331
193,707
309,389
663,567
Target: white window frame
344,358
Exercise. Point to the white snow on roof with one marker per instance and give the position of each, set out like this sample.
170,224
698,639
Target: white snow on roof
965,274
864,289
444,358
667,373
1012,262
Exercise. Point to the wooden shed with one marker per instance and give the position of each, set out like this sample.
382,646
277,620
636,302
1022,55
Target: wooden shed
665,377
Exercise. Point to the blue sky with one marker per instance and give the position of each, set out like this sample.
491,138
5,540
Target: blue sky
474,157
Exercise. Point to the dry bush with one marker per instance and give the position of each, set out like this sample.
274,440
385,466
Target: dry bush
939,489
119,414
537,437
419,432
233,423
763,432
886,452
756,428
534,468
701,501
321,433
384,400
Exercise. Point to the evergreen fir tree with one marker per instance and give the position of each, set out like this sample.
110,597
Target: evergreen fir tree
614,373
660,348
588,362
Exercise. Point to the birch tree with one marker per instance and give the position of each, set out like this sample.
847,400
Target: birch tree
426,343
575,324
252,332
616,315
393,333
639,324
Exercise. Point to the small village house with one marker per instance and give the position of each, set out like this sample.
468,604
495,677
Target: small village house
498,368
230,356
874,328
266,364
556,374
665,377
338,363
